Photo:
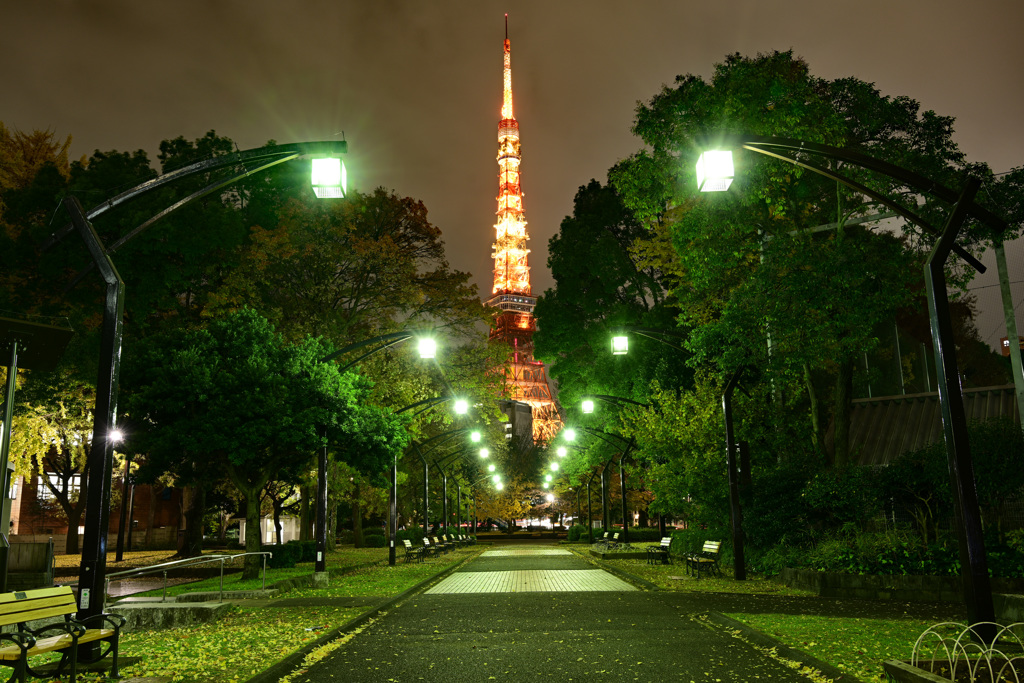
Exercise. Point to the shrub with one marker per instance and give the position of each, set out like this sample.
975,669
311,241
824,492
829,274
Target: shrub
839,498
574,532
641,534
413,534
346,537
307,550
375,541
284,556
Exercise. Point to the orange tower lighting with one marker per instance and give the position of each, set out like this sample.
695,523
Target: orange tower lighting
525,377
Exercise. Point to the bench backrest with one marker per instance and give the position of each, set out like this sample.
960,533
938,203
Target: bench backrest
407,543
36,604
436,542
712,546
30,557
615,537
426,541
666,541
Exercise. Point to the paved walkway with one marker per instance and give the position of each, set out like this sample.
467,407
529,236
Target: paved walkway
526,613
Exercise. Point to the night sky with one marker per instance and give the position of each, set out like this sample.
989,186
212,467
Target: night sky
416,86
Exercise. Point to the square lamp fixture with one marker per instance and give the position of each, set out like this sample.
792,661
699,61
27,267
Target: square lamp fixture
588,406
427,348
329,178
714,171
620,345
461,406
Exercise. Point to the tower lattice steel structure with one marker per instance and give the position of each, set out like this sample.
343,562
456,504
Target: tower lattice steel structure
526,378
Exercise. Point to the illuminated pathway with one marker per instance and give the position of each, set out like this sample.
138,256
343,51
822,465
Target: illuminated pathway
480,577
524,613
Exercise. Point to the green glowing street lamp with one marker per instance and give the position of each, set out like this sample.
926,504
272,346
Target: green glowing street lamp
562,451
554,467
570,434
547,485
492,467
496,478
715,171
484,452
620,345
588,406
499,485
461,406
427,347
475,437
329,178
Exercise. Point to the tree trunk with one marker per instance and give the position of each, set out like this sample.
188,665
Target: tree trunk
306,493
357,518
253,540
841,414
151,516
74,516
278,532
816,438
193,538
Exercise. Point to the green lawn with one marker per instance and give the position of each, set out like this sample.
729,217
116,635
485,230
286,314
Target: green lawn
856,646
250,639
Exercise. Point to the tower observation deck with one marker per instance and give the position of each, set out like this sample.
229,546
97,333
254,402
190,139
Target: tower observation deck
525,377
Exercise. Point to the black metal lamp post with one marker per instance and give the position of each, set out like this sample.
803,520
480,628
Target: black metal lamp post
735,510
977,587
630,443
92,573
427,349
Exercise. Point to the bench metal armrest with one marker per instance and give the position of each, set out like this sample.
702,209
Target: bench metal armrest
22,639
116,621
70,627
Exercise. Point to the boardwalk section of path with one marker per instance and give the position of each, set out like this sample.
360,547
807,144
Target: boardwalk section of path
527,613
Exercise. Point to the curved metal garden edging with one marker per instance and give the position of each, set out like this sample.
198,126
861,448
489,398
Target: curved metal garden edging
294,660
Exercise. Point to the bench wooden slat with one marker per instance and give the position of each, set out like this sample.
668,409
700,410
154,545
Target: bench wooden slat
30,615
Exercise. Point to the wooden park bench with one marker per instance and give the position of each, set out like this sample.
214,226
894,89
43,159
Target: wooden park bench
705,560
46,603
659,553
603,541
411,551
429,548
444,546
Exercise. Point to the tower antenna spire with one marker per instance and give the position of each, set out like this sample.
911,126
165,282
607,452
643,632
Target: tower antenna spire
525,377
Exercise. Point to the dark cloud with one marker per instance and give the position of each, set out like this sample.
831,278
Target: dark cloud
416,86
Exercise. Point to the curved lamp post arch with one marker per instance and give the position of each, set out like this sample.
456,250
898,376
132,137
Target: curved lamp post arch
92,574
977,586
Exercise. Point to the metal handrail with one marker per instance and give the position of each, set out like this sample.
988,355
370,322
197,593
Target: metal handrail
165,566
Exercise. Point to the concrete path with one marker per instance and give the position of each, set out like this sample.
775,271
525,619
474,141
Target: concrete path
526,613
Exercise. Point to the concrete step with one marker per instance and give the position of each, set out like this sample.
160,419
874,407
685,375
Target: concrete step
212,596
153,616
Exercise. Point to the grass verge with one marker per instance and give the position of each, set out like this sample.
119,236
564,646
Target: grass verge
856,646
250,639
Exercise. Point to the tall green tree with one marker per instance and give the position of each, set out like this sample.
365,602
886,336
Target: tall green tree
763,284
242,400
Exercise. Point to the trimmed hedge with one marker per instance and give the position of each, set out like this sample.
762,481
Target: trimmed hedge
374,541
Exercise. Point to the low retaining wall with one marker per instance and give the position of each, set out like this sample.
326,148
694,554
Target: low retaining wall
903,588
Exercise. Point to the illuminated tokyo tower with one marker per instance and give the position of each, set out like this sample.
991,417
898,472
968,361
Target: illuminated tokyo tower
526,379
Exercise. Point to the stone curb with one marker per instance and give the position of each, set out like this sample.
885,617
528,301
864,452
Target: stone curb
758,638
292,661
